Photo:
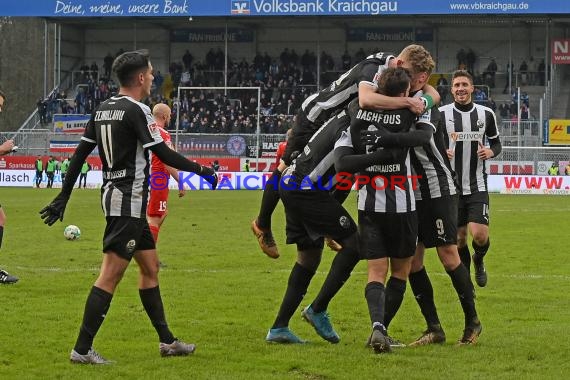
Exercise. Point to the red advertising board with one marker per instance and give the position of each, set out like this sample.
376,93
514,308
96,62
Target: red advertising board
28,162
560,51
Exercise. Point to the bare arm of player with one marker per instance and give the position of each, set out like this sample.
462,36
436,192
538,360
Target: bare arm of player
6,147
431,91
369,99
174,174
176,160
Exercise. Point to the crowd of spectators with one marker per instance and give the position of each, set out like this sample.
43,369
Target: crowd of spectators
285,82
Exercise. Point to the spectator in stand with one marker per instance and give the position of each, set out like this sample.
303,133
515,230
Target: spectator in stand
360,55
523,69
346,60
471,58
541,72
306,60
461,58
285,57
567,169
524,112
107,63
533,72
442,88
504,110
479,96
510,79
42,110
490,73
187,59
293,58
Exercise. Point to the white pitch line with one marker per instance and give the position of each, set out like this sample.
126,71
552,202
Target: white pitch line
522,276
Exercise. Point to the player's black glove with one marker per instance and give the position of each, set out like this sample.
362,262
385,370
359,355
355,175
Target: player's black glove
210,176
54,211
372,139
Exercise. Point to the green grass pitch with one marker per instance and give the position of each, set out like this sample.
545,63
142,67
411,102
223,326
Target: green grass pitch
222,293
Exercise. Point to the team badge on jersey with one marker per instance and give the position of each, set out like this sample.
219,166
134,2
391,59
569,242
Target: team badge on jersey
131,244
344,222
153,129
480,124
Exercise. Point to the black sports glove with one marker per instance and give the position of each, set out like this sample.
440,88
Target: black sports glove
210,176
54,211
372,139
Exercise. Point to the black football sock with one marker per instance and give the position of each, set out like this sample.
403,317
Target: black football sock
1,235
152,302
395,289
341,267
465,257
269,200
480,250
374,293
423,293
96,308
464,287
299,281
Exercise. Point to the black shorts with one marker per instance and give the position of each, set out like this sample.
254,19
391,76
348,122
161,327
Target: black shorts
312,215
387,234
302,132
125,235
473,208
437,221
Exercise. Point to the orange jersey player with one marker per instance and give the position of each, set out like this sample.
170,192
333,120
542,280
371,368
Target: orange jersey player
160,174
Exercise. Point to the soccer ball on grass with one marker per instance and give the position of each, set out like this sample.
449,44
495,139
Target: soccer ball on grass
72,232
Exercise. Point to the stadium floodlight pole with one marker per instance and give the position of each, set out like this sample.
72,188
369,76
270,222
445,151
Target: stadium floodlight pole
258,127
519,124
177,120
541,120
225,91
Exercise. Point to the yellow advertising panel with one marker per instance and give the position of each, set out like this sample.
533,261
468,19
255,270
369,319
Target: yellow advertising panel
559,132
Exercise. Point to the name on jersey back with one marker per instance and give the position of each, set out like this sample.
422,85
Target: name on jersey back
109,115
378,117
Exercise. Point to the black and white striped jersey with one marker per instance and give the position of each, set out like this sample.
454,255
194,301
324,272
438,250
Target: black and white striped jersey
390,186
430,163
467,128
123,129
320,106
314,167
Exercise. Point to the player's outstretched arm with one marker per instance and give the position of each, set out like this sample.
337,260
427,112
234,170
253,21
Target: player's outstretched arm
346,161
54,211
382,138
176,160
